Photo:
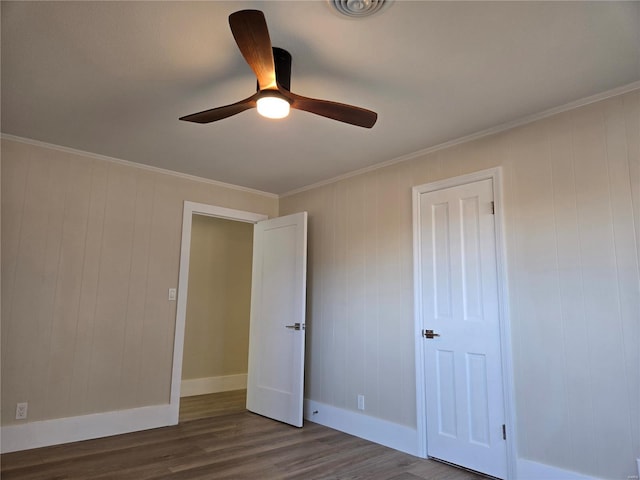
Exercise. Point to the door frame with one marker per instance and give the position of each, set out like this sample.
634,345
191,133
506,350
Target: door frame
495,174
190,209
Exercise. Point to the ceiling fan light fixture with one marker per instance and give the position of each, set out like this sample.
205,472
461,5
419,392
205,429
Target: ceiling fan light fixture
273,105
272,68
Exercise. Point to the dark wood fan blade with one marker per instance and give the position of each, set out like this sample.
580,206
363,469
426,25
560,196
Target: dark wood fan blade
337,111
219,113
249,28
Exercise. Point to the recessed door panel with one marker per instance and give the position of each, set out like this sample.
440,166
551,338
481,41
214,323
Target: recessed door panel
470,259
441,261
447,421
477,399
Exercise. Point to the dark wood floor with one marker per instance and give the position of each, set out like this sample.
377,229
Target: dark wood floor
212,405
226,443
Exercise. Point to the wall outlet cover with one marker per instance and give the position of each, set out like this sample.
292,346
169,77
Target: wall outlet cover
21,411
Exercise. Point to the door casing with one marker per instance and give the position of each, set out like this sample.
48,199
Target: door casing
190,209
495,174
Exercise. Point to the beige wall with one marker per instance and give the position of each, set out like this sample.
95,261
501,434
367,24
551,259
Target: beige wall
217,323
572,203
89,249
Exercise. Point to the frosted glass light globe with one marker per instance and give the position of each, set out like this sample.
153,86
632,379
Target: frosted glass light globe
273,107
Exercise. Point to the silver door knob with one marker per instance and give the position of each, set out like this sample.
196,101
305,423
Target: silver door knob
295,326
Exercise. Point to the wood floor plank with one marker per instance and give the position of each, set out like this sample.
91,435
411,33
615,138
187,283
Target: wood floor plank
231,444
212,405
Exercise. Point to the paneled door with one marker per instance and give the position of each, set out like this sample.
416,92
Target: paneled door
277,326
461,328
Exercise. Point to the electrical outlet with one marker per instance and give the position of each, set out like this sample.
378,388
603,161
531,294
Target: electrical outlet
360,402
21,411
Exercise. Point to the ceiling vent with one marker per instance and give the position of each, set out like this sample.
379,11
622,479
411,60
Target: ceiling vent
358,8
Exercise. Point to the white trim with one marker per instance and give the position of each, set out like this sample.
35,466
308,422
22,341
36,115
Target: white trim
529,470
383,432
475,136
495,174
127,163
73,429
191,208
421,408
203,386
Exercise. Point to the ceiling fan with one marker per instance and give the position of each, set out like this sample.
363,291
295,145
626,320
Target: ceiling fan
272,67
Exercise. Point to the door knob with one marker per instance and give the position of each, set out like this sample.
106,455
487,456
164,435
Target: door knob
429,334
295,326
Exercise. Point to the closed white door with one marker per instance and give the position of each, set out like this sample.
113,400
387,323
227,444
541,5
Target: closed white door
463,366
277,327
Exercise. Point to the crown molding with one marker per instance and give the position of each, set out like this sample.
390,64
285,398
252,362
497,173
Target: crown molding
475,136
404,158
163,171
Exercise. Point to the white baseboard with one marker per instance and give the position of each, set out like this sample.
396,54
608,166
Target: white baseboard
389,434
529,470
203,386
73,429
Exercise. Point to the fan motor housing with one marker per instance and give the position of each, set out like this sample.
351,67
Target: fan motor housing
282,62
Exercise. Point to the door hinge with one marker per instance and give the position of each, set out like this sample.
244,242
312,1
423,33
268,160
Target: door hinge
493,208
504,431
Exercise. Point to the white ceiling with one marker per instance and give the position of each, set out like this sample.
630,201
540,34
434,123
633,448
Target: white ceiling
112,78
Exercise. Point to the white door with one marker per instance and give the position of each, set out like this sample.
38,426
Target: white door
463,369
277,327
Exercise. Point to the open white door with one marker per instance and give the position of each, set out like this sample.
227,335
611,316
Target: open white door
277,330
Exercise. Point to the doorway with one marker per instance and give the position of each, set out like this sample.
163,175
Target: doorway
275,381
462,344
191,210
216,345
